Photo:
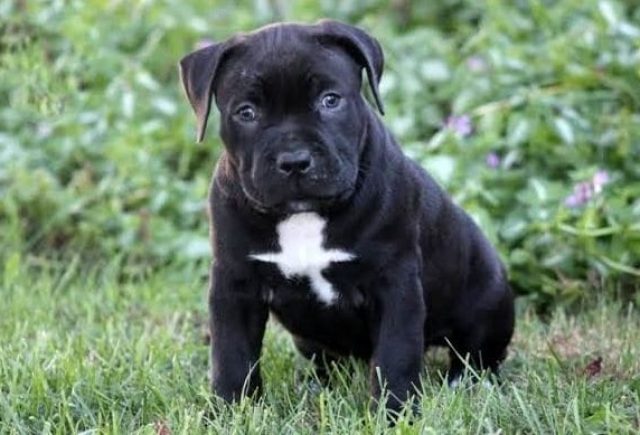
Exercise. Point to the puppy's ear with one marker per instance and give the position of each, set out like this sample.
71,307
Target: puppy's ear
362,47
197,73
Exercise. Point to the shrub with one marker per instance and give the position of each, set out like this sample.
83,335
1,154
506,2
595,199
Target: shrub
527,112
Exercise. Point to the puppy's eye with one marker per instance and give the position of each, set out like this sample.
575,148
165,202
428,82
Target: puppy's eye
331,101
246,113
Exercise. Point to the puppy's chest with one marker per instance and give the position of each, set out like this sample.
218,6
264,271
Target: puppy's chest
304,261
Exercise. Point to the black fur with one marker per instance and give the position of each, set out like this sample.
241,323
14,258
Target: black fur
423,274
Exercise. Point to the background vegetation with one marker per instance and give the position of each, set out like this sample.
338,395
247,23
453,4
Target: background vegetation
527,111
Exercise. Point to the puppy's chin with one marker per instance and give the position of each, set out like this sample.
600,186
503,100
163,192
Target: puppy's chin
289,207
301,206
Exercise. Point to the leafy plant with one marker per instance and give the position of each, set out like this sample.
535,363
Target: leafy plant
526,111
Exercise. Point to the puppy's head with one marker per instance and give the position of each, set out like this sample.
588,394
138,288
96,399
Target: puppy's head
292,116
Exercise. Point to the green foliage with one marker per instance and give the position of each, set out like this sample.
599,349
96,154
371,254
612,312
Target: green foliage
98,158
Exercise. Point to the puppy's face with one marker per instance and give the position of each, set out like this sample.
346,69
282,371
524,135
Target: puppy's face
292,117
291,120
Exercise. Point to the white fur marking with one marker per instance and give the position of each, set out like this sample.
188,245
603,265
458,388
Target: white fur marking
301,238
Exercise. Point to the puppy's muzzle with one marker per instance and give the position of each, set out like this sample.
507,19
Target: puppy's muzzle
294,163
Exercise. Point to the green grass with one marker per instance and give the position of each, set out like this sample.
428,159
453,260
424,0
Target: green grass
92,351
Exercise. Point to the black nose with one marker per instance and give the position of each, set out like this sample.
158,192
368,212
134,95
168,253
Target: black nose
294,162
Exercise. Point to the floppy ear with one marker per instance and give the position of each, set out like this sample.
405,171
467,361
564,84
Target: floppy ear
362,47
197,73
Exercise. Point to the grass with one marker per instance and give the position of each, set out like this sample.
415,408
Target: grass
93,352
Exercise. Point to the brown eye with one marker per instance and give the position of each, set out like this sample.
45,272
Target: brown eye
331,101
246,113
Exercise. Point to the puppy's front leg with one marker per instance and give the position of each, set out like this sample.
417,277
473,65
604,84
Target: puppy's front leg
399,335
237,319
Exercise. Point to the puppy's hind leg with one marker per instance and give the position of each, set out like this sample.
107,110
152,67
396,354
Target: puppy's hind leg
500,323
482,345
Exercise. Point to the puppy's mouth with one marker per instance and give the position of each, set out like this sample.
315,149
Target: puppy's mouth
299,204
313,203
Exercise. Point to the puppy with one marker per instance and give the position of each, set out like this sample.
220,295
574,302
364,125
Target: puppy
319,219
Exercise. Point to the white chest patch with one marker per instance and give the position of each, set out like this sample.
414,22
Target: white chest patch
301,238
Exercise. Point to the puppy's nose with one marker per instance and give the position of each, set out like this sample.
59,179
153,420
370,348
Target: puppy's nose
294,162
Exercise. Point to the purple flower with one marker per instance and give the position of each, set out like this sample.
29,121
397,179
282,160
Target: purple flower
461,125
476,64
572,201
600,178
582,193
585,190
493,160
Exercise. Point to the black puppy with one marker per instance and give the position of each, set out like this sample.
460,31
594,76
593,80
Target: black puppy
318,218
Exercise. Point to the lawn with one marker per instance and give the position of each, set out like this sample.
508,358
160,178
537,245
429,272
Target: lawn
83,351
526,111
